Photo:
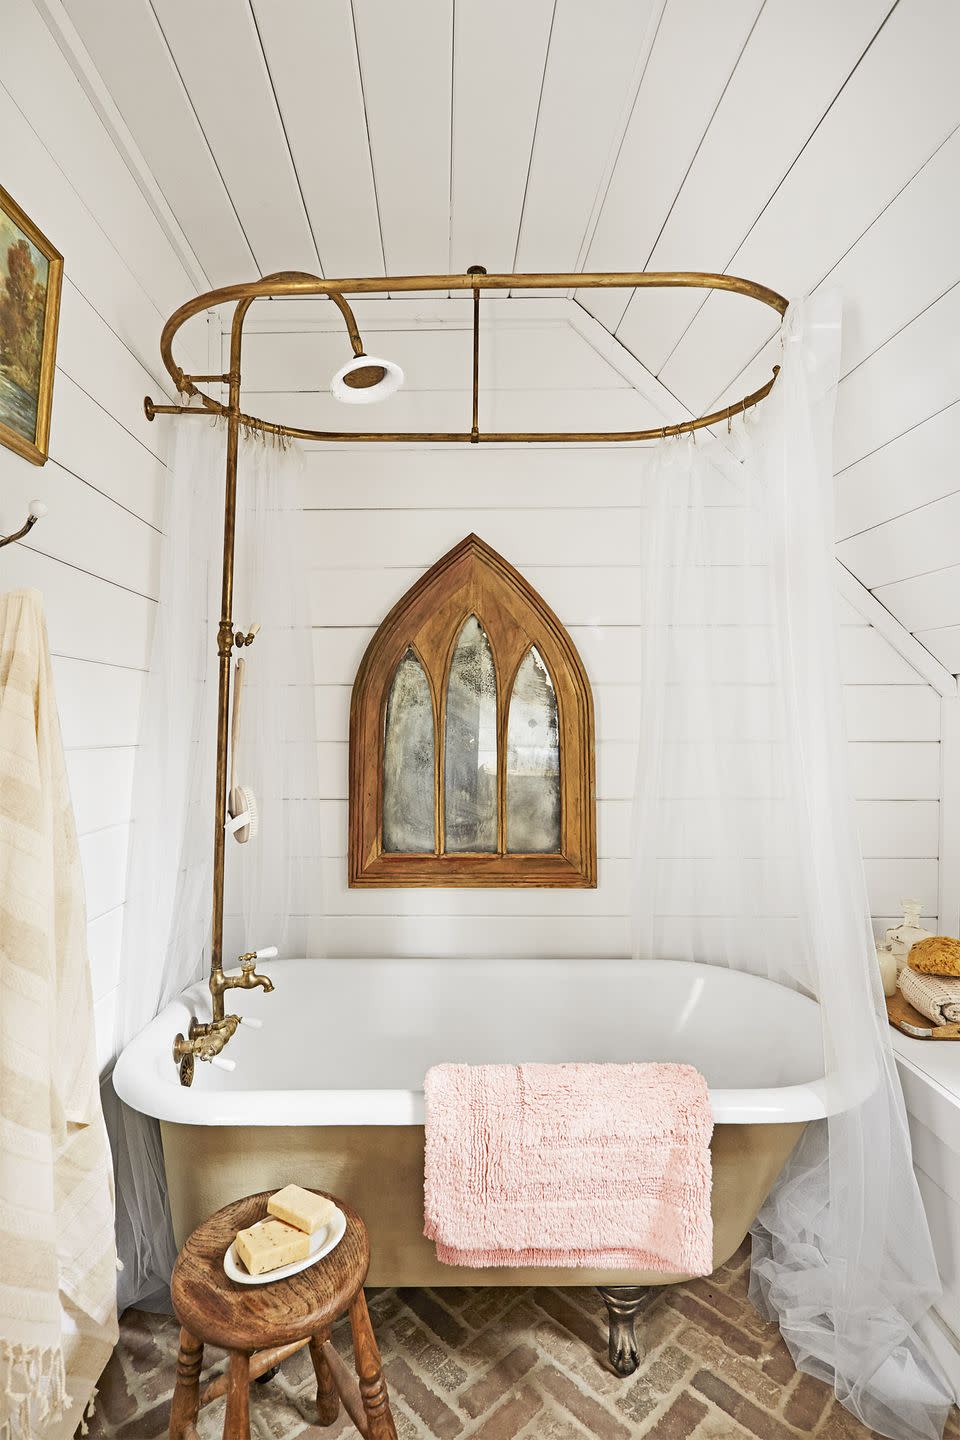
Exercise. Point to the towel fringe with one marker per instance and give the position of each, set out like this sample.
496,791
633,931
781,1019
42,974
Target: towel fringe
89,1413
34,1389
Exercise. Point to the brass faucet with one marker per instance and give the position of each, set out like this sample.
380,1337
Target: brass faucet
248,979
205,1041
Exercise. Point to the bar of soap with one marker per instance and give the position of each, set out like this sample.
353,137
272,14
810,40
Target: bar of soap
302,1208
270,1244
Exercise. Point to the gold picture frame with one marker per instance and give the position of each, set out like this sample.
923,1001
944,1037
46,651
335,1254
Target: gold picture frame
31,274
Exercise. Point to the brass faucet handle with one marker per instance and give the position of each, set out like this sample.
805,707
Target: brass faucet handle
206,1040
183,1058
182,1047
250,958
185,1049
240,638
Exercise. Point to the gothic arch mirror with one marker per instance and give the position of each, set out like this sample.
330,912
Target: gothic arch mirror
471,737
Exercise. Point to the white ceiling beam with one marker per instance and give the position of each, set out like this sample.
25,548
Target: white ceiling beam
898,635
625,362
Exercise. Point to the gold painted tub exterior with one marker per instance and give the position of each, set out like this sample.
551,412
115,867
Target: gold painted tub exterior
379,1170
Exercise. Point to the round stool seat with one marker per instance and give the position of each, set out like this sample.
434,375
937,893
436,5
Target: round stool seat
218,1311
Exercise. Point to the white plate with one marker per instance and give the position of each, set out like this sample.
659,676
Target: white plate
321,1243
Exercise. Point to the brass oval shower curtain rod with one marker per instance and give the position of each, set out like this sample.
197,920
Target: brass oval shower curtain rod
291,284
361,374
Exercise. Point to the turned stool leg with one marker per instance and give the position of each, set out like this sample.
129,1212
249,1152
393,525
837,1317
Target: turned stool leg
373,1390
186,1396
236,1426
328,1397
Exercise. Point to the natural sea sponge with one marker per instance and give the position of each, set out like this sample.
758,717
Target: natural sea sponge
937,955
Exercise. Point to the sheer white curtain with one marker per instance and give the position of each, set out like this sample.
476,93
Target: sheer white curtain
746,855
167,908
167,914
273,880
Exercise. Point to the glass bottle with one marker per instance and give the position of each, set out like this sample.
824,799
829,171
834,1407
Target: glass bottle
900,938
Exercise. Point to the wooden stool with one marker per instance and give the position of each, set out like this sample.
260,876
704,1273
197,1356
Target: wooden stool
260,1325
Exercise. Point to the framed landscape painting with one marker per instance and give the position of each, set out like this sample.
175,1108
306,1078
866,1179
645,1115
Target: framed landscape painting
30,275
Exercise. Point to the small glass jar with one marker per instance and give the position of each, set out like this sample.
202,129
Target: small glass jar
889,970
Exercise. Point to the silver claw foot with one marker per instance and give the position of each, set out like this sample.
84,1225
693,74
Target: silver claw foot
624,1304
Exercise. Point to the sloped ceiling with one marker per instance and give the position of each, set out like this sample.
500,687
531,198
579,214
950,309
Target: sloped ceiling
802,145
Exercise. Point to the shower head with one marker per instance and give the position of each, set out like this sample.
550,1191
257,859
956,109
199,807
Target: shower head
364,380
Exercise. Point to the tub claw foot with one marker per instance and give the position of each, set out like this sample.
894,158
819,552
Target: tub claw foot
624,1304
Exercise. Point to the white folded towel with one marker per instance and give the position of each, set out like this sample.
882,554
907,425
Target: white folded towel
936,996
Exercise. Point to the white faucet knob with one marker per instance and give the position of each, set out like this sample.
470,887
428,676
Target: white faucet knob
252,1023
269,954
223,1063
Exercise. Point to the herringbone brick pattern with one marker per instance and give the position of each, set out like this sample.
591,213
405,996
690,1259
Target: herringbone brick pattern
497,1364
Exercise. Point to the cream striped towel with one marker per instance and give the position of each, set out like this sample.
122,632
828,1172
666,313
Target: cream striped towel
58,1319
936,996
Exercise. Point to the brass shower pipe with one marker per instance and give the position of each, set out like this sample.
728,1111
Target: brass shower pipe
205,1041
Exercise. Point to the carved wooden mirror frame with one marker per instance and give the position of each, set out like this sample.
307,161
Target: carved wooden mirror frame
472,580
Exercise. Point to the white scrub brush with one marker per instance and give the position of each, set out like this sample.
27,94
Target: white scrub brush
241,803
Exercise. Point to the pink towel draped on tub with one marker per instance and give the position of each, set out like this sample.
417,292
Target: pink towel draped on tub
600,1166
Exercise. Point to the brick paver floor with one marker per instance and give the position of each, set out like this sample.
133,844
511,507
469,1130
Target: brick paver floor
490,1364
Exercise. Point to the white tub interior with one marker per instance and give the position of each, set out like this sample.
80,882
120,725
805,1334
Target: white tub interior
349,1041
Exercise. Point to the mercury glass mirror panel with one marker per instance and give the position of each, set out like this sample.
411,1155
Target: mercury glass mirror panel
470,745
471,737
408,760
533,760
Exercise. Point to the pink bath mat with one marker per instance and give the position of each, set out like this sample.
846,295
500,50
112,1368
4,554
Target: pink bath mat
601,1166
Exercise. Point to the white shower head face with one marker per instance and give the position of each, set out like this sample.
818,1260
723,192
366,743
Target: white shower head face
365,379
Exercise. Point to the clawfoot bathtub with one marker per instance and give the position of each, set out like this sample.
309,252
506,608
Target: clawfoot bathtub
329,1092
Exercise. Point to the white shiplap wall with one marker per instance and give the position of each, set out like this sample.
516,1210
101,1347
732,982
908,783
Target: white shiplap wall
568,517
94,556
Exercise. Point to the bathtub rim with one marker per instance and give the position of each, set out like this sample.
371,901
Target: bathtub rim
142,1084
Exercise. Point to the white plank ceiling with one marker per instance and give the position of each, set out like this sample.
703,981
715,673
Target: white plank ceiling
801,145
